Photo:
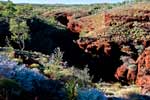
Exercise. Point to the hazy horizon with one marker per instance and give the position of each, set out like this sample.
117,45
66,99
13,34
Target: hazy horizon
64,1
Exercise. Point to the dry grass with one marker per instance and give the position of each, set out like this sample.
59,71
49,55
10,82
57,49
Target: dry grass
92,24
117,90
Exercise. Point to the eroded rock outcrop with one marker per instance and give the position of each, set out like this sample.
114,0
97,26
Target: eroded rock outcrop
126,73
63,17
103,58
74,26
143,75
106,59
68,20
128,15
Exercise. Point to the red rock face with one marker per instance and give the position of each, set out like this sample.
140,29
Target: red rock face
74,26
126,73
120,73
107,48
143,65
63,17
103,58
104,51
107,19
141,15
131,76
143,75
147,61
67,20
94,46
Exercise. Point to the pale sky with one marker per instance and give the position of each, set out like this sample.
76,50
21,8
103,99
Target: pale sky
65,1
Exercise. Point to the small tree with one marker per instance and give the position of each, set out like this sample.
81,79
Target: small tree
19,29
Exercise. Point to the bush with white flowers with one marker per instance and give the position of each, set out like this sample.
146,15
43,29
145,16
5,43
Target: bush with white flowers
29,79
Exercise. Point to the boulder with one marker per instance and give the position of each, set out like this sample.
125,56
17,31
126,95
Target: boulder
126,73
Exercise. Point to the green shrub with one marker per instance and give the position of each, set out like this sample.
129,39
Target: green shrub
9,89
79,79
54,66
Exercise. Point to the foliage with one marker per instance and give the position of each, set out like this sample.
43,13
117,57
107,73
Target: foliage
9,9
31,80
53,68
123,30
19,30
9,89
136,1
71,88
20,73
7,51
57,57
23,19
79,79
24,11
52,21
82,75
